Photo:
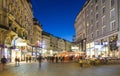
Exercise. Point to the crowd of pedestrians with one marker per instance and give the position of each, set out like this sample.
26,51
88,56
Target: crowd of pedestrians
82,60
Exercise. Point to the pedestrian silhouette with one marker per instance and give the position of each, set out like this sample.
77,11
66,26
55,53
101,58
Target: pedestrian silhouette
17,61
26,59
39,60
30,59
3,62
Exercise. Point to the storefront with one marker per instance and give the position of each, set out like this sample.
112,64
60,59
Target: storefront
18,49
90,49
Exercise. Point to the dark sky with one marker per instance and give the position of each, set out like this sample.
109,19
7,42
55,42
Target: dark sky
57,16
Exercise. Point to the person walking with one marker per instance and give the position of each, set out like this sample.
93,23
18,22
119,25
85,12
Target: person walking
39,60
81,61
30,59
17,61
26,59
3,62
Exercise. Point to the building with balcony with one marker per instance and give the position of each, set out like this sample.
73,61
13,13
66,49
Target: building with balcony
46,44
53,44
36,38
68,45
61,45
16,27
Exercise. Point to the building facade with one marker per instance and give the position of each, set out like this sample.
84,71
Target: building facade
52,45
61,45
80,31
16,27
102,27
36,38
68,45
46,44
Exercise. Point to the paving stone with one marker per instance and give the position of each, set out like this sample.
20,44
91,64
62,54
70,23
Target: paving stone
59,69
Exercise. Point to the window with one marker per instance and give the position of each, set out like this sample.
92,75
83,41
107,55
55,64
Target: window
92,27
103,10
112,13
112,3
91,5
97,33
91,12
96,1
96,7
91,21
112,25
103,1
92,35
103,20
97,24
97,16
103,30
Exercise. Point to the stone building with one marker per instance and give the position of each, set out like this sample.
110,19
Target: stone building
102,27
36,38
16,27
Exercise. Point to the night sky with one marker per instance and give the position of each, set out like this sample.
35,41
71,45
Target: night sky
57,16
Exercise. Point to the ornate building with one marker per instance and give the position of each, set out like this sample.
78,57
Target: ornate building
37,37
46,44
61,45
16,26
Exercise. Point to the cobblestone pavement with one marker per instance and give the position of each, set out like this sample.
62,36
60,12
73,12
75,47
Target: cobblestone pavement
59,69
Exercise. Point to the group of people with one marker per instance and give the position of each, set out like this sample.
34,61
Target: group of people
55,59
17,61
